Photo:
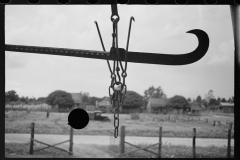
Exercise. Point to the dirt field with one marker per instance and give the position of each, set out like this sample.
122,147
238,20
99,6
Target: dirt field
147,125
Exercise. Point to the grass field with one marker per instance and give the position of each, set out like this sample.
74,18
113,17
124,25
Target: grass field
147,125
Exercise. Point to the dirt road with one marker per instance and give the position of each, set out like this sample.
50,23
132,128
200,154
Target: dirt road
85,146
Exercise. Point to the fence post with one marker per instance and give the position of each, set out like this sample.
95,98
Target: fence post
122,139
229,141
160,142
71,141
194,142
31,140
47,114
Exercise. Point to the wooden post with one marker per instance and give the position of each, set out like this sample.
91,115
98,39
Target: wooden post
122,139
230,125
71,141
160,142
214,123
194,142
229,143
47,114
31,140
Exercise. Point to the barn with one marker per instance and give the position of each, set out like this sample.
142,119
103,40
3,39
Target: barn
156,105
104,105
196,108
77,98
226,107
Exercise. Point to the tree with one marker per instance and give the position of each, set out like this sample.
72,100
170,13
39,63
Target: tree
132,99
223,100
23,100
209,96
213,102
178,102
232,99
205,103
92,100
59,97
41,100
11,96
153,92
189,100
219,100
199,99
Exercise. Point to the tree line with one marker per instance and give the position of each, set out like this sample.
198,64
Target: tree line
131,99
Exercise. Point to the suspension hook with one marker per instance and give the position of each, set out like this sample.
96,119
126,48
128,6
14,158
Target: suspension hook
130,24
126,51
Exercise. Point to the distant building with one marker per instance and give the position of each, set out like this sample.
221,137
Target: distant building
196,108
156,105
226,107
104,105
77,98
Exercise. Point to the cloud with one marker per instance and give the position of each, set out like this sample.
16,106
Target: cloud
225,54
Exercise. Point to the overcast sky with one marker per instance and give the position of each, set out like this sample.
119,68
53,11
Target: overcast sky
158,29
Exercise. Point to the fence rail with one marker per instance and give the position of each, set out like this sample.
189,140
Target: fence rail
194,153
32,140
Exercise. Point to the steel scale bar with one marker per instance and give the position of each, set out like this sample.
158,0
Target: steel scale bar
134,57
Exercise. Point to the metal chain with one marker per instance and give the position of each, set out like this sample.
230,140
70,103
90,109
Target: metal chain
119,88
116,85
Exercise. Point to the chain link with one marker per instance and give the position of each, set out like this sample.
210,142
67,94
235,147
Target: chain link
116,85
119,88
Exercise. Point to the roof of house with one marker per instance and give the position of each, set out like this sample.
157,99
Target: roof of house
77,97
226,104
195,106
158,102
105,102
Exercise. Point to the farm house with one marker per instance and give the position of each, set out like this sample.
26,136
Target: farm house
77,98
225,107
195,108
156,105
104,105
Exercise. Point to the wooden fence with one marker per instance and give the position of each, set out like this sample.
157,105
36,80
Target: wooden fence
177,118
123,142
32,140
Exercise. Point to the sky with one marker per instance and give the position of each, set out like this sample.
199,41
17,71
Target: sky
157,29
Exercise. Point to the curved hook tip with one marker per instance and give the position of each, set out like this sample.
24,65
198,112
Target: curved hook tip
132,18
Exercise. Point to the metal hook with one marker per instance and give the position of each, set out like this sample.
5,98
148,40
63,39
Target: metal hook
99,35
103,46
130,24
